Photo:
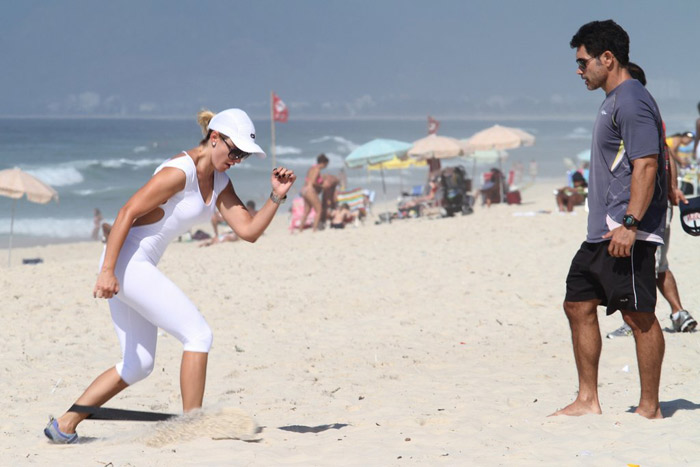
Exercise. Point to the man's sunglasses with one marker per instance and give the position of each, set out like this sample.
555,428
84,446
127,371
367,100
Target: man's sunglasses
235,153
583,63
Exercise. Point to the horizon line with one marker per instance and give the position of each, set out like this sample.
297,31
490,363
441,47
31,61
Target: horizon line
451,117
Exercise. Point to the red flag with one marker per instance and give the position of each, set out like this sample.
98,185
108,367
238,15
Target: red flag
280,112
433,125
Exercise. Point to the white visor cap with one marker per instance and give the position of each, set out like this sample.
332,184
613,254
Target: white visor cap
236,124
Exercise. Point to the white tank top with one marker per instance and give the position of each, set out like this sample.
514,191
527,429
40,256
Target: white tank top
182,211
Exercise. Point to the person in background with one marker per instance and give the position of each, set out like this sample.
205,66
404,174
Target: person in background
216,220
568,197
328,198
674,142
96,224
229,236
250,206
533,170
492,190
434,168
313,185
681,320
341,216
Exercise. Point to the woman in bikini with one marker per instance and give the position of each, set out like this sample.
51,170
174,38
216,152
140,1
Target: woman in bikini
185,190
311,190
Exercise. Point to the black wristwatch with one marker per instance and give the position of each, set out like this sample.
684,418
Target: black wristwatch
628,221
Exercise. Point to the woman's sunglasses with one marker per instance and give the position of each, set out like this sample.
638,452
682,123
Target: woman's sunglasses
235,153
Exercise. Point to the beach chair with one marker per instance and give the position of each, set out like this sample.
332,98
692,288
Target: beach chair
297,212
688,181
358,200
418,190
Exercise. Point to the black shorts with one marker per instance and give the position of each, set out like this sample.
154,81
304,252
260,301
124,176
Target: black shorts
619,283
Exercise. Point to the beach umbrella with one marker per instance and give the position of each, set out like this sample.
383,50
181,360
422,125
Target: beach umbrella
438,147
377,151
500,137
486,156
433,148
398,164
584,156
15,183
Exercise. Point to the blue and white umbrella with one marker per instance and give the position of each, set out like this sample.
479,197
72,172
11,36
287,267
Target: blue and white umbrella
376,151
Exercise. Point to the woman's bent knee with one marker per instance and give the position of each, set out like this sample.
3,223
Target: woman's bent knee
133,372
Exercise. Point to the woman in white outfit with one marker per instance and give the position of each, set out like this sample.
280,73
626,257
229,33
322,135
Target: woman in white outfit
185,190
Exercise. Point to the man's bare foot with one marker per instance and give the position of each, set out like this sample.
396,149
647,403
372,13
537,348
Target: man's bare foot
650,414
578,408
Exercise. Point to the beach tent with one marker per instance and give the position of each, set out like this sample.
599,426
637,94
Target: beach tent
15,183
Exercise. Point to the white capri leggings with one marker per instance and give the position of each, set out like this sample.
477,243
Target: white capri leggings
147,300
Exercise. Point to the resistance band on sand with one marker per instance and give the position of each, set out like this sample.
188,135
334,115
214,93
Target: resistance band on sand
105,413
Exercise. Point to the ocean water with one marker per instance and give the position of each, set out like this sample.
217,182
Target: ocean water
100,163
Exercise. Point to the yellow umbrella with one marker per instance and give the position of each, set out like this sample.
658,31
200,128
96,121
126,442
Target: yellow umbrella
397,163
15,183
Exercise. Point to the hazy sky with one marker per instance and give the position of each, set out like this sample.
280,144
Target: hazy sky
335,58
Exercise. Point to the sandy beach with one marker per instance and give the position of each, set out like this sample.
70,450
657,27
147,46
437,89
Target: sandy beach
420,342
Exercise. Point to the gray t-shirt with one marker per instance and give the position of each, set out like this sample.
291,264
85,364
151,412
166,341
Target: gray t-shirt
628,127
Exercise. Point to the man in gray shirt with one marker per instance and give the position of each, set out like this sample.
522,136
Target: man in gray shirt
627,201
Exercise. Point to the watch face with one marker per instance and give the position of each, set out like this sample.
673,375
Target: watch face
629,220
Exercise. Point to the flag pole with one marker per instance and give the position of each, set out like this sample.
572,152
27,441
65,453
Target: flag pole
272,133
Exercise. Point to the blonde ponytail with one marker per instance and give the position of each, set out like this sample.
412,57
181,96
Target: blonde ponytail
204,116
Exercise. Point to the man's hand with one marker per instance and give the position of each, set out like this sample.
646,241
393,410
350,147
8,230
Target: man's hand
676,196
621,241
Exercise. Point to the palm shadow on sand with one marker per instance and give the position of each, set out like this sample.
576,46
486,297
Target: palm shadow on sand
668,409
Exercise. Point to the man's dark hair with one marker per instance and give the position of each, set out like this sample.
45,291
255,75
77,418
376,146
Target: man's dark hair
599,36
637,73
698,107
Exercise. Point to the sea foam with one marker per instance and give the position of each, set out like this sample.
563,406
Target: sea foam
343,145
282,150
49,227
579,133
54,176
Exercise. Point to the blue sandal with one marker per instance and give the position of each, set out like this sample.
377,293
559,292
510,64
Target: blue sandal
56,436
